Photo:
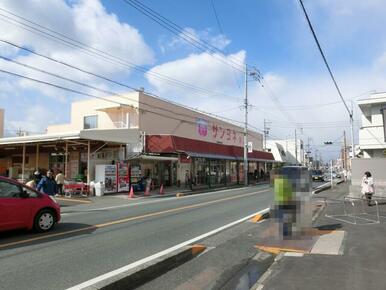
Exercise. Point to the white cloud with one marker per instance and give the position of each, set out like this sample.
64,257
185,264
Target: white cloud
191,36
204,70
86,21
35,119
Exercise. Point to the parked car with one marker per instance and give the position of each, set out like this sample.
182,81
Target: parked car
317,175
24,207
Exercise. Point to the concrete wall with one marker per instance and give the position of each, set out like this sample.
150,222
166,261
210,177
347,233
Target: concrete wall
107,118
1,123
161,117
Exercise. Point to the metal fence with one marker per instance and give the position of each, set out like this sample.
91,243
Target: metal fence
353,210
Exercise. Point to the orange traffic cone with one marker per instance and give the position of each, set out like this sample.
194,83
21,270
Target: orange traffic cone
161,189
131,193
147,190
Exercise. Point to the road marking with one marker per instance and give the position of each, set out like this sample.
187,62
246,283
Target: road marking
73,200
125,220
160,254
145,202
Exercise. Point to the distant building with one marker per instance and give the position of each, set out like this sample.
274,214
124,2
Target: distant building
287,152
371,134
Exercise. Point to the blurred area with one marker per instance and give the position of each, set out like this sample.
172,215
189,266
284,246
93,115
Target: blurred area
291,210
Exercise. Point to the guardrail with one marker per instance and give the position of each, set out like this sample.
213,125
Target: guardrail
354,210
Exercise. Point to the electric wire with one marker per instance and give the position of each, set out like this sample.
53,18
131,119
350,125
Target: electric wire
324,58
95,52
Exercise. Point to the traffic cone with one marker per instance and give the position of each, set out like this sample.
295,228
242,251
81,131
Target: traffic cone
147,190
131,193
161,189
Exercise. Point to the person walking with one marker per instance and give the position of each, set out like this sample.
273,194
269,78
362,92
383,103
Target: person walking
47,184
345,175
35,180
367,186
59,178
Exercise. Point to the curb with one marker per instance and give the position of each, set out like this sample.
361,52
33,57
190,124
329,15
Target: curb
151,270
324,187
259,217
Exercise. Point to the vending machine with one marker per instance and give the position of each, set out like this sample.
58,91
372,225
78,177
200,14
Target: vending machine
123,176
108,175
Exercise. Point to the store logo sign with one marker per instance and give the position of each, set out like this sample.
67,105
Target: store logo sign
202,127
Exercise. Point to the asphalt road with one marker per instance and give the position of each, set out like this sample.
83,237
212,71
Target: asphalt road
93,240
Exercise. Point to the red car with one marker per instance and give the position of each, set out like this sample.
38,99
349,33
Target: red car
24,207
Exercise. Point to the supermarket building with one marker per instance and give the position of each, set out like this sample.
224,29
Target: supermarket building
144,136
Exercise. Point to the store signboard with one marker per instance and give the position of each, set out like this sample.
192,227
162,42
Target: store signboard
218,132
202,127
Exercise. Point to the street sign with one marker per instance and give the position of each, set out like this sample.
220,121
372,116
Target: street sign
250,147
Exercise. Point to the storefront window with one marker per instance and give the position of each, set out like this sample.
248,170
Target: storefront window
217,172
201,172
233,172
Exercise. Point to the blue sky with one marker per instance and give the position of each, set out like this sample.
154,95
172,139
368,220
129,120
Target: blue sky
270,34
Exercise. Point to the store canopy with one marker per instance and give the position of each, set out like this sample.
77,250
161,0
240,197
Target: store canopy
198,148
123,136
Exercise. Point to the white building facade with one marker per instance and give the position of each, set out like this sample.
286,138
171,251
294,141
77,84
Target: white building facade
371,134
288,151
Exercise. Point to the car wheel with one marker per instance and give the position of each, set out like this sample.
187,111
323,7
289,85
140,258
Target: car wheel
44,221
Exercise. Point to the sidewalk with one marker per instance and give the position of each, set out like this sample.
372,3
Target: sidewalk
360,263
123,197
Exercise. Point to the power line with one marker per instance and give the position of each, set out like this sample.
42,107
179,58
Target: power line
115,94
182,33
102,98
92,51
324,59
107,79
220,28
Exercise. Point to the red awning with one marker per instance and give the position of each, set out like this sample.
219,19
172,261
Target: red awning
175,144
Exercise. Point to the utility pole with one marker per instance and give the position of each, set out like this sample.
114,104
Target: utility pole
344,151
296,148
308,152
266,133
246,128
352,132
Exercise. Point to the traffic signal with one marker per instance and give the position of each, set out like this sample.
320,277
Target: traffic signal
328,143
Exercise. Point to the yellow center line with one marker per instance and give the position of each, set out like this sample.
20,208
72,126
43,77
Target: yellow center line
73,200
125,220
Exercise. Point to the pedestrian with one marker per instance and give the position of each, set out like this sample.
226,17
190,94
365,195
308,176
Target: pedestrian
262,173
59,178
256,175
47,184
367,187
35,180
345,175
187,178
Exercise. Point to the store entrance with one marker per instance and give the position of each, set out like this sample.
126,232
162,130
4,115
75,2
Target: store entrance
165,173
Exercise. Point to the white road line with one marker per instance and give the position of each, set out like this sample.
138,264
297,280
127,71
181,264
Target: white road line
149,202
160,254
